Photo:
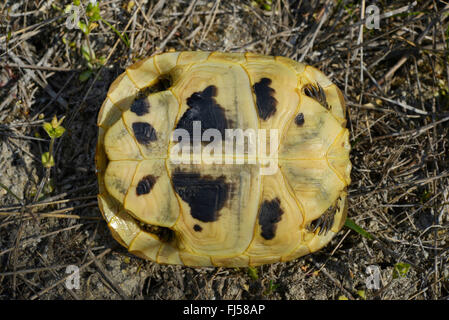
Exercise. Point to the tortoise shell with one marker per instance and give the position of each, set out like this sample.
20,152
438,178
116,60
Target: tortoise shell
277,194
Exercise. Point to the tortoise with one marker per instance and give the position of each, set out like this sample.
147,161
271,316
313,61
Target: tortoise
220,208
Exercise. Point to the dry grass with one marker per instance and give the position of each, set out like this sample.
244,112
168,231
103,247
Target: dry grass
395,80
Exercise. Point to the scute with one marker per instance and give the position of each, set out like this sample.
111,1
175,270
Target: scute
148,207
120,143
162,111
166,62
224,212
227,234
314,137
282,83
287,229
315,185
145,245
118,178
122,92
143,73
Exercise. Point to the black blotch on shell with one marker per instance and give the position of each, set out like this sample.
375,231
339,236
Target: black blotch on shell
204,108
205,195
270,213
140,106
299,119
145,185
197,228
144,132
265,100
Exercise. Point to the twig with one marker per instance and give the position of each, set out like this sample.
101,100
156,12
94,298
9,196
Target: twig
172,33
323,19
62,280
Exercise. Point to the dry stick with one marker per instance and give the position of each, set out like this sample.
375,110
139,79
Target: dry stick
335,281
274,36
37,295
172,33
322,268
392,71
62,216
51,200
156,8
10,136
4,274
36,67
13,256
68,81
52,271
415,132
387,250
436,290
46,203
10,192
401,185
21,148
37,25
131,43
360,42
62,195
19,41
75,112
29,241
139,7
107,277
33,76
310,43
210,21
52,213
401,104
425,289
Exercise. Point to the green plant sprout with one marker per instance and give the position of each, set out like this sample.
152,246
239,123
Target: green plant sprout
253,273
400,270
352,225
93,16
54,131
263,4
271,288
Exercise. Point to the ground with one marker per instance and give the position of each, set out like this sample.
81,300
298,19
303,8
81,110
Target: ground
395,81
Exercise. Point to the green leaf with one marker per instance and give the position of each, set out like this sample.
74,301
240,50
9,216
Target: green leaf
400,270
343,298
352,225
102,60
267,7
93,12
85,75
252,272
83,27
47,160
123,36
54,129
58,131
85,52
362,294
10,192
67,8
76,2
271,287
48,128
